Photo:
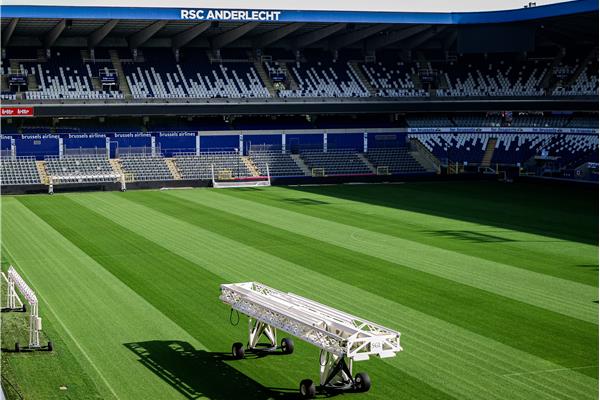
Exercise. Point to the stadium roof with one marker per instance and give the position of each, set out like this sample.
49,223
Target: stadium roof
379,11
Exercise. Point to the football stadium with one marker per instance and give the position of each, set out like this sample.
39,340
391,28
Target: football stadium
279,200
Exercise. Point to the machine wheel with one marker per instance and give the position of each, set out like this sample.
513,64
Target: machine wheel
237,350
287,346
17,347
362,382
50,346
307,389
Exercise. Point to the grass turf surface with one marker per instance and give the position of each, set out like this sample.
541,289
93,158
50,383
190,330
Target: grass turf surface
494,287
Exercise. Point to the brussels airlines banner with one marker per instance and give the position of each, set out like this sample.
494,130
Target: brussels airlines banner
351,11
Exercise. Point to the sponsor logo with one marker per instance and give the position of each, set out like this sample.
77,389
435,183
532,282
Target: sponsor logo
16,111
230,15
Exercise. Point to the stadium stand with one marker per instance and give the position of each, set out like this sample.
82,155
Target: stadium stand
393,80
397,160
336,162
65,76
146,167
474,76
81,168
280,164
160,76
324,78
19,171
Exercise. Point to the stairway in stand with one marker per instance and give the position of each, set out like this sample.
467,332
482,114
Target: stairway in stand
489,152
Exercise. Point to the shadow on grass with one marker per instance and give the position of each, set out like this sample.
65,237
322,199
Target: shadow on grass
198,373
540,208
590,267
470,236
304,201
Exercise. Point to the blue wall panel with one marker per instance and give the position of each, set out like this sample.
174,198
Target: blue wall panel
173,144
345,141
86,143
37,147
269,140
379,140
310,141
219,143
5,144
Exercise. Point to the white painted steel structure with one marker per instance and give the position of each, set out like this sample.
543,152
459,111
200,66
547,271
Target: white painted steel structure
342,337
15,280
240,183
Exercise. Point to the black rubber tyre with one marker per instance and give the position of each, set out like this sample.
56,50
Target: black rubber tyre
50,346
307,389
287,346
362,382
17,347
237,350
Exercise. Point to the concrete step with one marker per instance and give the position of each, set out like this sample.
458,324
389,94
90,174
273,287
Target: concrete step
300,163
123,86
41,168
173,168
292,84
363,78
96,84
489,152
424,157
367,163
32,83
250,165
260,70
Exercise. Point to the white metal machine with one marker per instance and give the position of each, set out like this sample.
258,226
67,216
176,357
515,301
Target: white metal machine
15,281
342,337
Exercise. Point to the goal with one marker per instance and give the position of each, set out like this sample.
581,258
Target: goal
316,172
222,179
383,170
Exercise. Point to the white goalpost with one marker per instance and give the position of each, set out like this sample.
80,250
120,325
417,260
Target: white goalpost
224,179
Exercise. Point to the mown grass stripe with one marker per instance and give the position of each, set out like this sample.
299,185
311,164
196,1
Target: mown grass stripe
554,294
186,292
98,310
571,343
561,258
445,356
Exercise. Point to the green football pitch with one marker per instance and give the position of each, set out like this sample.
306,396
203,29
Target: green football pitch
493,286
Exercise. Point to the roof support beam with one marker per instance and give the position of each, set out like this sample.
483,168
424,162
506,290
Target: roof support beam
230,36
355,36
277,34
141,37
421,38
183,38
50,37
450,40
395,36
8,31
99,34
312,37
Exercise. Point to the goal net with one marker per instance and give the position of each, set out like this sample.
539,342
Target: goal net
224,178
318,172
383,170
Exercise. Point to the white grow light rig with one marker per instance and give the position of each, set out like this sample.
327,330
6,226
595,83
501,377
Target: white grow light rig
13,303
342,338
